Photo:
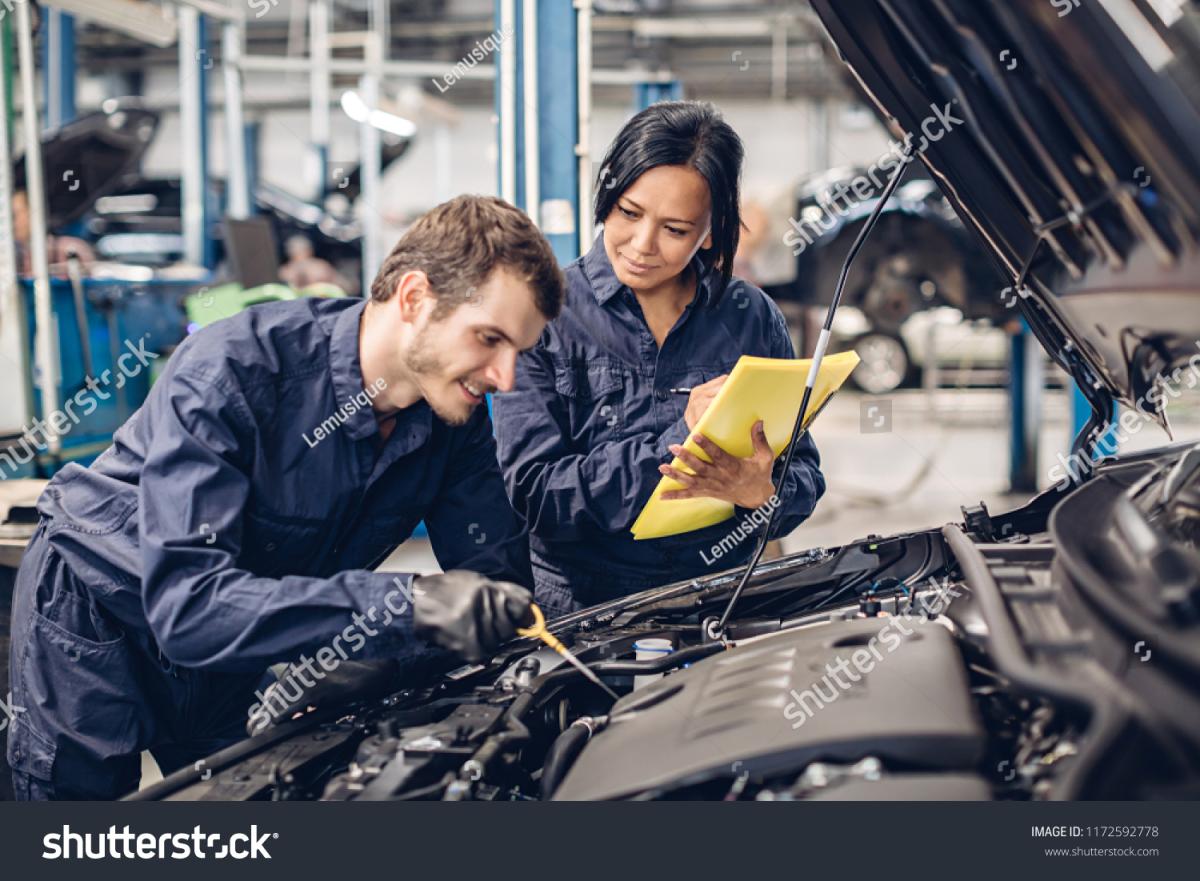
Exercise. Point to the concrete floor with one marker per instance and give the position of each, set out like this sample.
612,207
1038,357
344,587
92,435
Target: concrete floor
911,462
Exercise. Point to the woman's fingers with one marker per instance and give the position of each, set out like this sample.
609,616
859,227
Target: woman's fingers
718,456
680,476
690,459
758,437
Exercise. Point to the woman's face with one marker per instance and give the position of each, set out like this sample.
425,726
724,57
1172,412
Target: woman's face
657,226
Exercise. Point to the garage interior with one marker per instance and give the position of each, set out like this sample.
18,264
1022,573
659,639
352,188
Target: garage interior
200,148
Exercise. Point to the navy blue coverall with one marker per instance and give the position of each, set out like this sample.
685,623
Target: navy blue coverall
231,525
582,434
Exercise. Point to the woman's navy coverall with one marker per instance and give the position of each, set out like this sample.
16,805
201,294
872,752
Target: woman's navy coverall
589,422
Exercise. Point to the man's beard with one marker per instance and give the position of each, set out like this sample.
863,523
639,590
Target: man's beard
421,361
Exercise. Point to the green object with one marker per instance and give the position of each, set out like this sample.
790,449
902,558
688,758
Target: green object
212,304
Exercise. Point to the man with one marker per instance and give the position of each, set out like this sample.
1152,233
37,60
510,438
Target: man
304,268
58,248
282,454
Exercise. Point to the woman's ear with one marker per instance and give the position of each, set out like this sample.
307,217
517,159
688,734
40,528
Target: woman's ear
707,242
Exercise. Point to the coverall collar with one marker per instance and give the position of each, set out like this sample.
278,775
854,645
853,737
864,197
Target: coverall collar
346,368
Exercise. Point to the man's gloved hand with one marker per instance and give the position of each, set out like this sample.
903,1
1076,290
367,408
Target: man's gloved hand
467,613
348,681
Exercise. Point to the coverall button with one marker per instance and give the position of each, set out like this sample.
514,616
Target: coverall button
661,395
270,546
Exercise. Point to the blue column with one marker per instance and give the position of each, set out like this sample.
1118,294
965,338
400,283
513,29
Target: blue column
558,94
1081,411
253,133
58,67
556,56
645,94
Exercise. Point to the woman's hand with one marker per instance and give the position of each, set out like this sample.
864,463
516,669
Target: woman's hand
742,482
701,396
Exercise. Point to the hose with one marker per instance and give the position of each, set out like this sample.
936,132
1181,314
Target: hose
565,749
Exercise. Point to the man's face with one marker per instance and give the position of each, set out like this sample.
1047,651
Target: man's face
472,351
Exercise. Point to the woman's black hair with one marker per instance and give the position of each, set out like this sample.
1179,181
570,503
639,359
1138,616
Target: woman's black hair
692,134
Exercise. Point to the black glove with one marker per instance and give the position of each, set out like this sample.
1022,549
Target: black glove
467,613
348,681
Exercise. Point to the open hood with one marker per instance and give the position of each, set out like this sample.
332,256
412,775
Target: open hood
88,157
1068,139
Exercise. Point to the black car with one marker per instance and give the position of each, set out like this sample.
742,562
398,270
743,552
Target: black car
1051,652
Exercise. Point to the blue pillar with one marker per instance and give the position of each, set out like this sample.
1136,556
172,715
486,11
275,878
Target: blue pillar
556,57
1081,411
645,94
253,133
58,67
212,207
558,104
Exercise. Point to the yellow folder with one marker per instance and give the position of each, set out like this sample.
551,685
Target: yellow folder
769,389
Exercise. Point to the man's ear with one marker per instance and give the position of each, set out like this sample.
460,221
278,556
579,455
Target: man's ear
413,295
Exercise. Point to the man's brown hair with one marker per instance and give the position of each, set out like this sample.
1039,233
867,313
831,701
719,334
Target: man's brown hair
460,242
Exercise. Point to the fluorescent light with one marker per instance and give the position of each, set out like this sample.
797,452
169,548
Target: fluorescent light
357,110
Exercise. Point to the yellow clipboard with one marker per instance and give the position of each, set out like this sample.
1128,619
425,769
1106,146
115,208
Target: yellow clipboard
769,389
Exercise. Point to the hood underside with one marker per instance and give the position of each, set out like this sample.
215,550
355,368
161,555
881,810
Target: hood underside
1070,144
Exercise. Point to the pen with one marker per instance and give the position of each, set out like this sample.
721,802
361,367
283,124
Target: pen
680,391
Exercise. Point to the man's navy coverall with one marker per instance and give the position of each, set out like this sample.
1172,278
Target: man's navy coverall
222,532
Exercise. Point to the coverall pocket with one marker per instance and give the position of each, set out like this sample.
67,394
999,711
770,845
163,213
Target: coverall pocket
77,678
274,546
91,685
595,394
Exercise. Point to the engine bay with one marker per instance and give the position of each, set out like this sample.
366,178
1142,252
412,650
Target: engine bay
1001,657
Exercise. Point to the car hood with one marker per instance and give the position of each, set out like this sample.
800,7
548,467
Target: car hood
88,157
1070,144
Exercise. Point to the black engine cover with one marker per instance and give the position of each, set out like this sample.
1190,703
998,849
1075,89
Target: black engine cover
773,706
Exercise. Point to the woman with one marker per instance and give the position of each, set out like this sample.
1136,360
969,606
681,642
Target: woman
593,422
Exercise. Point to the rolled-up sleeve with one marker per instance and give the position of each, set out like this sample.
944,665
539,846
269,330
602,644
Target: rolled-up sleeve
472,525
558,490
203,610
